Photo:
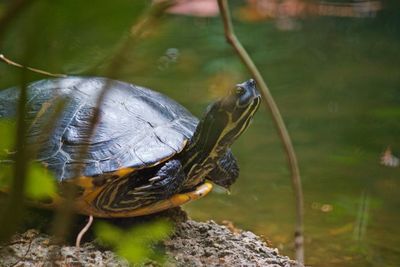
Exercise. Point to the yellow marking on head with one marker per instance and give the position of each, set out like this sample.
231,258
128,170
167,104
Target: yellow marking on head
198,171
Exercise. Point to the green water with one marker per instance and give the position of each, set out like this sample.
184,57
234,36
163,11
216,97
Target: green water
337,84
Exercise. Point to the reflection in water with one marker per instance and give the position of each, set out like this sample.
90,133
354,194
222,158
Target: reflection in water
264,9
285,12
362,218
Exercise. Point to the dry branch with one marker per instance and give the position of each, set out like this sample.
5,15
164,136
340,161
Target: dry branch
279,123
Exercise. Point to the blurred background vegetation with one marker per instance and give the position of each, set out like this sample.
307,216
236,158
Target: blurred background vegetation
335,77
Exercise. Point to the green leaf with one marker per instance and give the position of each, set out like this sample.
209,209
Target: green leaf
6,173
159,231
108,234
133,252
40,182
135,244
7,133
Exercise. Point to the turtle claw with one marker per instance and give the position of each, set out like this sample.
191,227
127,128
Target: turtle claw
165,183
144,187
155,179
137,193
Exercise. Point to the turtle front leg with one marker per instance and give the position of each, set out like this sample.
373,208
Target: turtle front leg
166,182
161,191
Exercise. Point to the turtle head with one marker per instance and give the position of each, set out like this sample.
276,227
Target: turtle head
242,95
234,113
224,121
229,117
239,106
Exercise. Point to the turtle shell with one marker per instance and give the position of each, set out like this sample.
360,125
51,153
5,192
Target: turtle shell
137,127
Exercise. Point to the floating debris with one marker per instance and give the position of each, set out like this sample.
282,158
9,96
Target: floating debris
170,57
322,207
389,160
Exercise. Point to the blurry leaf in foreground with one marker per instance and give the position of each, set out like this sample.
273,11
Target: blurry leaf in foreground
7,133
136,244
6,173
40,182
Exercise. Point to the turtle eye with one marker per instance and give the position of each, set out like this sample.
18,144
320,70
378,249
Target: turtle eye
239,91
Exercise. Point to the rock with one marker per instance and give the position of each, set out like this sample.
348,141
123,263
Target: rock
192,244
210,244
36,249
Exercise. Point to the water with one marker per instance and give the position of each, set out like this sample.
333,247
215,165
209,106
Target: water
336,82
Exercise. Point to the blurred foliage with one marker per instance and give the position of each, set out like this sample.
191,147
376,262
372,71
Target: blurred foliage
136,244
7,136
40,183
6,174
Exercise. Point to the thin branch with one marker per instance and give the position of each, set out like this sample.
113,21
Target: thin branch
279,123
15,64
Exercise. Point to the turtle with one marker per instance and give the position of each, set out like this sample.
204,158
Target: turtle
145,154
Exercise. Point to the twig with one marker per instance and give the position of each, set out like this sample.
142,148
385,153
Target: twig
26,254
15,64
277,118
82,232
